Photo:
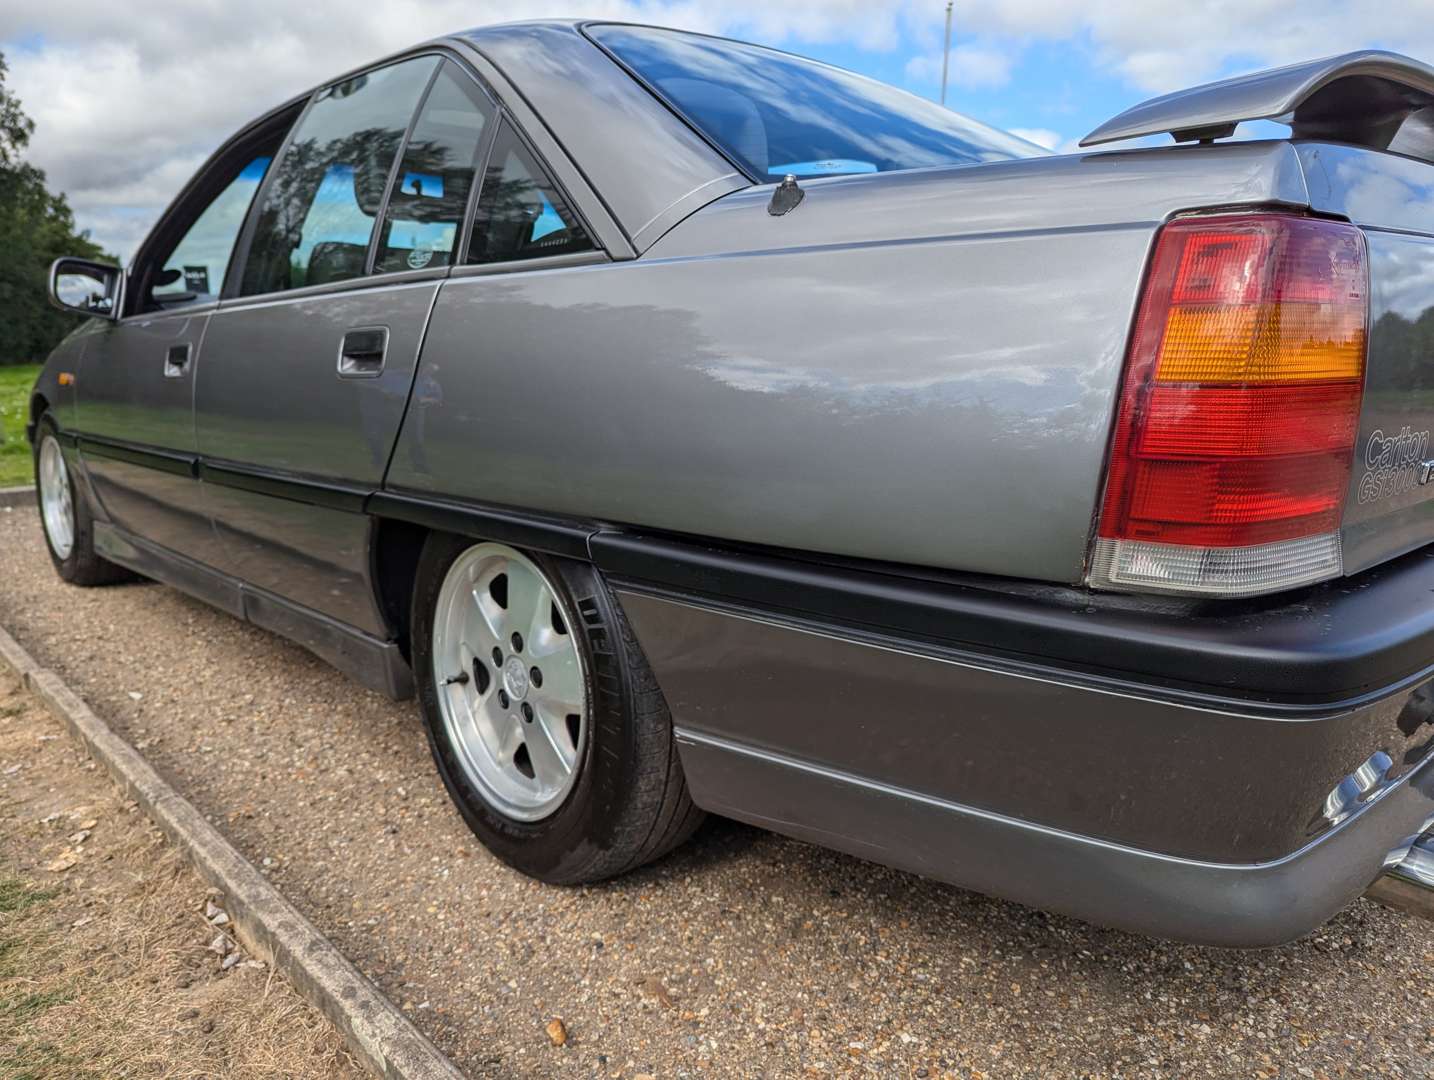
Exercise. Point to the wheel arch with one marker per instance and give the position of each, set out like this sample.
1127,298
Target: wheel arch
401,524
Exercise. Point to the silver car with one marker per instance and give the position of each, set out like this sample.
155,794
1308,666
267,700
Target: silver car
694,427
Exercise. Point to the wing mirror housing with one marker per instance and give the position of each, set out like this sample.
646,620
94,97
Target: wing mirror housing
86,287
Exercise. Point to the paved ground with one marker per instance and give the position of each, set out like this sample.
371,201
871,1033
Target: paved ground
110,947
743,955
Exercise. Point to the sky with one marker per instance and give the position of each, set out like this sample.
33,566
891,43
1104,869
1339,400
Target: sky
130,98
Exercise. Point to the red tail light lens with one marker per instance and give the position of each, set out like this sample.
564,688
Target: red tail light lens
1239,409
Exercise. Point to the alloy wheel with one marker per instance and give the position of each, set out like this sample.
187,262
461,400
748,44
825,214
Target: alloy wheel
57,511
511,681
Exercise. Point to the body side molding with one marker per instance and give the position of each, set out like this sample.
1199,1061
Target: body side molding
1271,654
556,536
332,494
162,460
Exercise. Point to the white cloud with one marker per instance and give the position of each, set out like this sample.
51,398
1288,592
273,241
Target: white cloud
971,66
1051,140
1163,45
128,97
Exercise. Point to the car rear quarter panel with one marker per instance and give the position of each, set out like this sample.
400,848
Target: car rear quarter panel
913,367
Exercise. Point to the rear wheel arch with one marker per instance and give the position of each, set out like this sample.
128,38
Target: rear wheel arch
629,804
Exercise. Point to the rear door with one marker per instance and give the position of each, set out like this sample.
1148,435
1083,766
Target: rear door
309,364
135,385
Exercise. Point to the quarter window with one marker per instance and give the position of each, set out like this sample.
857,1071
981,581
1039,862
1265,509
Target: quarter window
428,202
319,208
521,214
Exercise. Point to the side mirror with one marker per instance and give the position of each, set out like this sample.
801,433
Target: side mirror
85,287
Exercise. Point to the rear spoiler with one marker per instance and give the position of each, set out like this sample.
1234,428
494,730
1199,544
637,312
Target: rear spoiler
1376,99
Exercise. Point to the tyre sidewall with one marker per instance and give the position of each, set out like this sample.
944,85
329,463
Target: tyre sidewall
562,847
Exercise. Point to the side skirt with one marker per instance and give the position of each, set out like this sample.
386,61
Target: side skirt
378,665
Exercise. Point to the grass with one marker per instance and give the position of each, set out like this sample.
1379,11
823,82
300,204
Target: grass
25,946
16,895
15,383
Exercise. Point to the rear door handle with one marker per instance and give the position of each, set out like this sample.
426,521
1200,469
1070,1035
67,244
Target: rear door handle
362,353
176,361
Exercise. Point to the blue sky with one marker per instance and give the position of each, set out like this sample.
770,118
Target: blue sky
1054,86
162,88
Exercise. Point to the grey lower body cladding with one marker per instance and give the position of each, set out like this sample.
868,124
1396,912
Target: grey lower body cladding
1122,805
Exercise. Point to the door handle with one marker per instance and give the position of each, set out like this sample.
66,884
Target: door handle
176,360
362,352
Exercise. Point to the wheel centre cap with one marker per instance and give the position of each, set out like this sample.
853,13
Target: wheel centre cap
515,678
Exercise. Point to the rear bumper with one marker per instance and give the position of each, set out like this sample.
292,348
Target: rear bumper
1240,905
1227,815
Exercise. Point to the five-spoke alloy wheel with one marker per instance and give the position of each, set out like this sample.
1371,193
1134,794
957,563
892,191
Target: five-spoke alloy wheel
512,684
546,723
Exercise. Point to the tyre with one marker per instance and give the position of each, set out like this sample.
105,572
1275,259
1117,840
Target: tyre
65,516
544,719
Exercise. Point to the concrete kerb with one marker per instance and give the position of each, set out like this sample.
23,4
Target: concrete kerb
270,927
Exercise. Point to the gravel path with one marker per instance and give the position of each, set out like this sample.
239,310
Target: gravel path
742,955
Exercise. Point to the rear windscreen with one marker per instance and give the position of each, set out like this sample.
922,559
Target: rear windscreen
774,113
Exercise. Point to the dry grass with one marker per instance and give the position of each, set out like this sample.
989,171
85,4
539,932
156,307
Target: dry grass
105,969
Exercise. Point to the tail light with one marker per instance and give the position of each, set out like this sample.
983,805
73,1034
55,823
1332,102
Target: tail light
1235,435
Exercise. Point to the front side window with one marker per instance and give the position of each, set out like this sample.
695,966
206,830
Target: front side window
428,201
521,214
193,271
319,208
774,113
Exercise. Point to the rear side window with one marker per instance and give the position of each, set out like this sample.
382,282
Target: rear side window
774,113
318,214
521,214
426,209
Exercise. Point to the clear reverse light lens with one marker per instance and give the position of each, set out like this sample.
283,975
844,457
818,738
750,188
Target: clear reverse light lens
1232,572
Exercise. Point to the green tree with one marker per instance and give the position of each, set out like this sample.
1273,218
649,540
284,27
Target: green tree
36,227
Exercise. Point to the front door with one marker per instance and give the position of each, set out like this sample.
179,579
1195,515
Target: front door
307,370
135,385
